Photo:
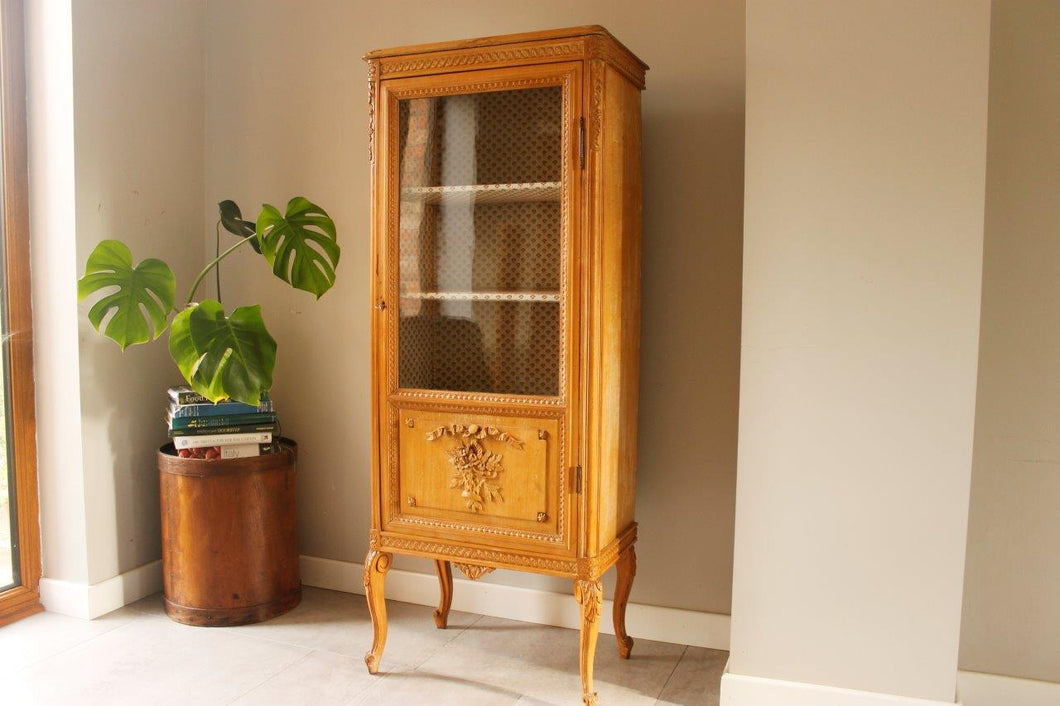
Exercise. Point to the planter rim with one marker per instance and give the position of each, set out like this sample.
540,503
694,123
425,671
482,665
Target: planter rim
170,462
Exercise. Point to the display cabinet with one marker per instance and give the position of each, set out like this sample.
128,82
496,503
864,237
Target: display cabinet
506,228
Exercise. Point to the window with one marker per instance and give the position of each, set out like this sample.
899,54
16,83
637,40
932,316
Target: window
19,526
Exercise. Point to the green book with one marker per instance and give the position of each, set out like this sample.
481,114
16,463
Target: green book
228,420
211,431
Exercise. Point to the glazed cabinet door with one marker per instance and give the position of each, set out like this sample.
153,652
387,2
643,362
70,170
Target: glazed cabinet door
479,178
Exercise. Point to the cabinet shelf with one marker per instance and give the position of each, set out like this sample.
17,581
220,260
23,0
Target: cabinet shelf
486,193
520,296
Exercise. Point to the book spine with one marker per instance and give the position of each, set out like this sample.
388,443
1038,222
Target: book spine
240,450
214,431
222,440
217,410
183,397
181,423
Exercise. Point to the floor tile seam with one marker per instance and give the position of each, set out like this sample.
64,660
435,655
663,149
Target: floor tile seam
323,650
275,641
447,643
670,676
74,646
270,677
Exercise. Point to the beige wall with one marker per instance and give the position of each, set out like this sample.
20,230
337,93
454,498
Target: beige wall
291,117
1011,622
116,104
865,162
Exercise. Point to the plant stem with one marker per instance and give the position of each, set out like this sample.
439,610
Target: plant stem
212,264
217,253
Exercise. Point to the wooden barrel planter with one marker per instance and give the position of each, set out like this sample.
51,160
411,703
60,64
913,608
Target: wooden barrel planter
229,537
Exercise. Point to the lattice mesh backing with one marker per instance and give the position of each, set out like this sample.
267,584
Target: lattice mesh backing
461,245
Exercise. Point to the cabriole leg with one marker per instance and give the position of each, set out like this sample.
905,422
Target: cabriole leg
590,595
627,569
445,583
375,567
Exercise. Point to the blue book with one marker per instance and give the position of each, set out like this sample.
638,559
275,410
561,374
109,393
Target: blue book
220,409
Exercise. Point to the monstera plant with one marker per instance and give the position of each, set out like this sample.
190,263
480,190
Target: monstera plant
221,355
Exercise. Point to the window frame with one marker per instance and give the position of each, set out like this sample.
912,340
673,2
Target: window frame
24,598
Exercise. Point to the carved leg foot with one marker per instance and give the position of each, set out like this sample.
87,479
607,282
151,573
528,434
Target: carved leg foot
375,567
590,595
627,569
445,582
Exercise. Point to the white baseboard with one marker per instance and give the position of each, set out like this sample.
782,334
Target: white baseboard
978,689
742,690
683,627
91,601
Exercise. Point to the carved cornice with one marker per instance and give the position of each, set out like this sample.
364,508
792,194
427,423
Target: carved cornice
606,49
592,46
469,58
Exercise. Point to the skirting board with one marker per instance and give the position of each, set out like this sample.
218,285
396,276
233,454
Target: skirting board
683,627
91,601
977,689
742,690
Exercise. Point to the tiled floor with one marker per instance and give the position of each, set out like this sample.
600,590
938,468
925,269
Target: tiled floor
314,655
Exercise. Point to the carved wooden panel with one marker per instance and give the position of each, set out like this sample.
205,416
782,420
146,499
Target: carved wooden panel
473,473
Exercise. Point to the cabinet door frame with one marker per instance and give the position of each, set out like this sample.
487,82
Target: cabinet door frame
388,398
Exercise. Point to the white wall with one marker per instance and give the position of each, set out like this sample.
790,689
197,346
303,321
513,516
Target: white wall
49,104
117,113
865,162
1011,622
291,118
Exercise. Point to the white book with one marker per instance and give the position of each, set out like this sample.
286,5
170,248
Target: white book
240,450
197,442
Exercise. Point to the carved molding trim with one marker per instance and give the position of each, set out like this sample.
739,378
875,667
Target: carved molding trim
596,115
576,568
473,554
606,50
474,57
373,72
473,571
475,467
594,566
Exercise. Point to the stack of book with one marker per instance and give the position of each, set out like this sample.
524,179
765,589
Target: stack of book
207,430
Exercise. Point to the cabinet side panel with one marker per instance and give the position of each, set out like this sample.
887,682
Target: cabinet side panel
618,247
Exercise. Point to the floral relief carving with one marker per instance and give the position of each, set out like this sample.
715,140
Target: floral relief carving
475,468
473,571
590,595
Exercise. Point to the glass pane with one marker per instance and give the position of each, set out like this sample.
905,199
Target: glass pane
9,574
480,242
8,553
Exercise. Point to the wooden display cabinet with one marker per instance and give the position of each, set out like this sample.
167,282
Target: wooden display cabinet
506,228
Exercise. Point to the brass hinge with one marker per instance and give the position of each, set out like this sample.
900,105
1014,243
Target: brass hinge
581,142
578,480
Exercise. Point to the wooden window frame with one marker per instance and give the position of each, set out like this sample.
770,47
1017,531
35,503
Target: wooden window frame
22,599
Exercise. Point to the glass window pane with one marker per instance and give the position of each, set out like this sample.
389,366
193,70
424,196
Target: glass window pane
480,260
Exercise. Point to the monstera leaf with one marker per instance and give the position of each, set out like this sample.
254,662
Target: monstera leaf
300,245
223,356
141,301
232,220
